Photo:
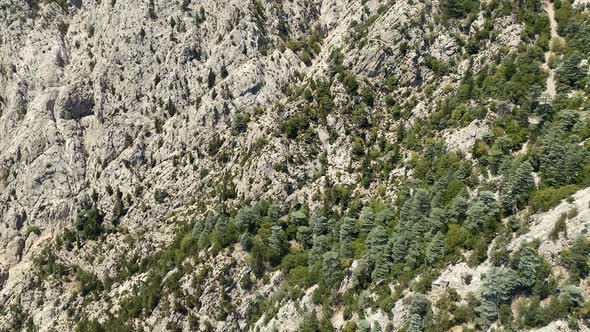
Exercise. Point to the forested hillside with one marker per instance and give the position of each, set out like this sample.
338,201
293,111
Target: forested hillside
317,165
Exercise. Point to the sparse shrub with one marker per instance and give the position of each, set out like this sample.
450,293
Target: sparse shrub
548,198
559,227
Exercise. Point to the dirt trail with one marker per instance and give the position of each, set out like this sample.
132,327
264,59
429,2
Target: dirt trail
551,86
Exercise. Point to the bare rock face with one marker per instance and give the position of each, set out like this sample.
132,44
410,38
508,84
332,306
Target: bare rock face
543,224
89,87
75,104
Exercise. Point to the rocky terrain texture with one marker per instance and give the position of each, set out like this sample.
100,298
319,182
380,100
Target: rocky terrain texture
124,125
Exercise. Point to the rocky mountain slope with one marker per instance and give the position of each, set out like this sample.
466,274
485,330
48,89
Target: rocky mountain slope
165,165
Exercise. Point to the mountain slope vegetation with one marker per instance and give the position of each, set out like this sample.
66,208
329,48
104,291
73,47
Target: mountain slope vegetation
323,165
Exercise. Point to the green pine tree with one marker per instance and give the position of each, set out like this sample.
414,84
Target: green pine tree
321,244
384,216
331,268
347,230
320,225
378,255
278,240
367,220
246,219
436,249
305,236
516,187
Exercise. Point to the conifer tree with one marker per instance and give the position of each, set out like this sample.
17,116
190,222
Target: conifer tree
299,218
570,74
203,242
572,296
367,219
528,263
278,240
381,268
462,172
330,268
360,274
377,242
256,261
377,255
438,219
516,188
441,185
364,326
421,202
413,225
459,207
305,236
310,323
489,201
274,212
118,208
384,216
495,157
221,235
347,229
476,216
246,219
577,258
321,244
222,223
437,200
320,225
415,323
414,255
420,312
436,249
260,209
407,218
398,245
246,241
498,287
560,161
566,120
489,309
